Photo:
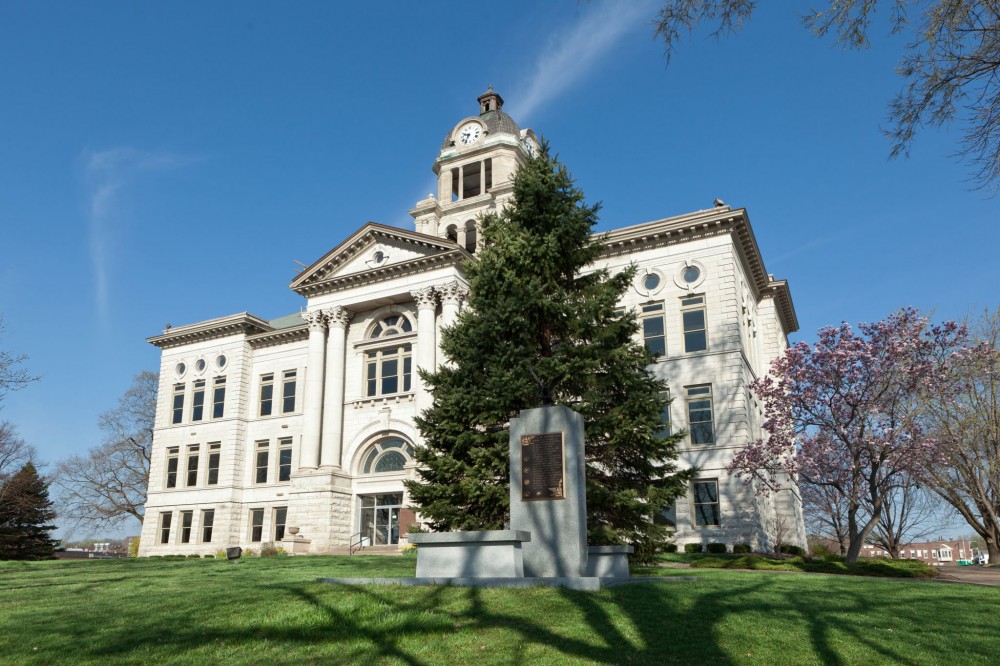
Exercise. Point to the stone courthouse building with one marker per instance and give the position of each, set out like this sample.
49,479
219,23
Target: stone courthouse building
302,426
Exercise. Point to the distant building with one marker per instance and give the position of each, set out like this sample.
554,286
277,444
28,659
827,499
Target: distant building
303,424
936,553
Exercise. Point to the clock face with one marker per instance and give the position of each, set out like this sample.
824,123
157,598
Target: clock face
469,133
530,146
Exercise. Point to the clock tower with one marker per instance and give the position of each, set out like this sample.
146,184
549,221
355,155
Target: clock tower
475,169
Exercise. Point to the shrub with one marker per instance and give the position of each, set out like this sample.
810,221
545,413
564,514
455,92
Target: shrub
208,557
133,547
670,548
716,547
411,549
268,549
741,548
415,528
282,552
221,555
821,550
789,549
692,548
194,556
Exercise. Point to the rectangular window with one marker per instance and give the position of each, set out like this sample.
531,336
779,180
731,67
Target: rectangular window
664,430
256,525
186,518
214,455
693,320
278,522
218,397
178,405
261,464
284,459
198,401
388,371
706,503
288,391
700,415
653,329
192,465
266,393
207,521
165,519
173,459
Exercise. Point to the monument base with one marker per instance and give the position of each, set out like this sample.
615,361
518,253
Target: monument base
583,583
488,554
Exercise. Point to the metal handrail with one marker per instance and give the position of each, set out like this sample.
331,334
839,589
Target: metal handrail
360,543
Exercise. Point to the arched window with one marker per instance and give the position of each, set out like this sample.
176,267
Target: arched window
387,455
389,369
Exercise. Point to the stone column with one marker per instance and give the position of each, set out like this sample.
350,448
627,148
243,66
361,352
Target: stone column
426,299
452,295
460,234
333,394
312,410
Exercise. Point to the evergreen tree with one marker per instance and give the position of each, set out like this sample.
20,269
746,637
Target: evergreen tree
23,513
541,324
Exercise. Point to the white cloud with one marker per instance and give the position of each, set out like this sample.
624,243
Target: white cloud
572,52
106,174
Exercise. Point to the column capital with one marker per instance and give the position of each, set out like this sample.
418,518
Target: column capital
426,298
453,292
337,316
316,320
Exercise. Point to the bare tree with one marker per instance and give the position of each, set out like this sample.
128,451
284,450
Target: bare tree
950,64
966,474
13,377
15,453
909,514
109,483
825,513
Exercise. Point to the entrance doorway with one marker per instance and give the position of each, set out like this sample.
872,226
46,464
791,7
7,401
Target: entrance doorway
380,518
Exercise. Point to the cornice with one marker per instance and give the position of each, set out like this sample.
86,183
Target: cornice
452,257
339,256
243,323
279,337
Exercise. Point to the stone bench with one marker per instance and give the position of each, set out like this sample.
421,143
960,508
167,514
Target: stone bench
608,561
489,554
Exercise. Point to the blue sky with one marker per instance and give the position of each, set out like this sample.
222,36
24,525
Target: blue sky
169,162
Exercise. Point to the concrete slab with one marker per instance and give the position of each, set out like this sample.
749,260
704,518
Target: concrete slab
584,583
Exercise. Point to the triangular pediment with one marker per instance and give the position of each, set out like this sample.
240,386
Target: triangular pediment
375,252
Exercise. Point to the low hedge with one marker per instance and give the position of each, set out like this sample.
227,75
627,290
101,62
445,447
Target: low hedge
716,547
692,548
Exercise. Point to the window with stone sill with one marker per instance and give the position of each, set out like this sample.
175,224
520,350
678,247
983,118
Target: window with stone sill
165,519
389,370
261,460
192,466
187,517
214,455
178,404
706,503
653,329
173,460
693,322
278,519
288,381
207,522
284,459
256,525
198,401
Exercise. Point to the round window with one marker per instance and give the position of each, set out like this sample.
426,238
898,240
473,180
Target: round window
651,281
180,369
199,365
691,274
221,361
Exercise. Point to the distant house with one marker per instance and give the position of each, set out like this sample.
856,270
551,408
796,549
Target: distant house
935,553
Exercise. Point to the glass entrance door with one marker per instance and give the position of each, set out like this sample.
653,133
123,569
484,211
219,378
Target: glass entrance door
380,518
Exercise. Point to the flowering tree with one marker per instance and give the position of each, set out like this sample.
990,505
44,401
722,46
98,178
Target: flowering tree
844,414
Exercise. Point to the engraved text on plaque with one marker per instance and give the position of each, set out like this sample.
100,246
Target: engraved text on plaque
543,467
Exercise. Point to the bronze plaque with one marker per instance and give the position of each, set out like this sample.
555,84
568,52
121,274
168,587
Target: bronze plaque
543,467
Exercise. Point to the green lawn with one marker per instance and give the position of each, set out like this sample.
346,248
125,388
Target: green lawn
270,611
863,567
